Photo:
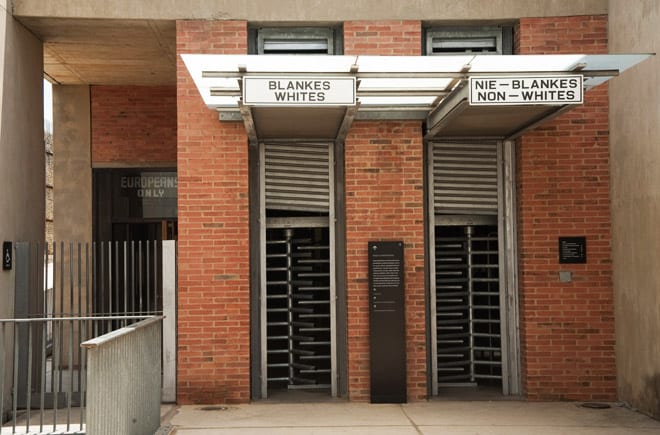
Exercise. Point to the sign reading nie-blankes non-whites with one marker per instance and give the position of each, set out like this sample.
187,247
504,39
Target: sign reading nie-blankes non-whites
299,91
522,90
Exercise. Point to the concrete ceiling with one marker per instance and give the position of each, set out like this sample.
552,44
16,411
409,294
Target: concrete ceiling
107,52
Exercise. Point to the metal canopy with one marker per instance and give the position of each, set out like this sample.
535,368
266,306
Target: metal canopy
428,88
454,118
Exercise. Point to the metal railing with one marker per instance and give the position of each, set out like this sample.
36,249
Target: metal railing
124,380
47,371
65,294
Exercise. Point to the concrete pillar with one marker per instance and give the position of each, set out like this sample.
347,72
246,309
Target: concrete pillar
22,170
635,128
72,164
72,173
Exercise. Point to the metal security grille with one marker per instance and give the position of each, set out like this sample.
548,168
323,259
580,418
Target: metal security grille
297,176
465,40
294,40
464,45
467,304
298,308
465,179
300,46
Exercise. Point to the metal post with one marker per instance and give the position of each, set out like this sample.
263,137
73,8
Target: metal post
95,284
79,279
55,277
169,322
133,310
288,234
55,370
263,302
141,311
110,284
3,355
156,280
115,290
71,281
147,271
83,364
332,258
70,389
468,241
28,389
21,310
88,299
16,384
125,281
42,390
509,300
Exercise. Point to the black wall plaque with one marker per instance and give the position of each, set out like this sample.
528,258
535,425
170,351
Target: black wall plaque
7,256
572,250
387,322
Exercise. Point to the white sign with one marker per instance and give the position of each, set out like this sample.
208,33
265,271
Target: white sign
522,90
299,91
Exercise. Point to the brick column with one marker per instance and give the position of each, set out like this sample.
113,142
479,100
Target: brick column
213,256
384,201
567,329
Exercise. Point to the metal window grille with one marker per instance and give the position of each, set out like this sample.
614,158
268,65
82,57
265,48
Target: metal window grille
299,40
478,40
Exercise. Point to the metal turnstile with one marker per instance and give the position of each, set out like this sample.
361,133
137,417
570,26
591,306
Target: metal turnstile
468,337
474,284
297,290
298,308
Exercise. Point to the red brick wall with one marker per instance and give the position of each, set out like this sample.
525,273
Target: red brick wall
567,329
384,201
214,295
135,124
384,38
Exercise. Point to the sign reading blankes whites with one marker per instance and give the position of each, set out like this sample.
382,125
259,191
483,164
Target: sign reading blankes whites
299,91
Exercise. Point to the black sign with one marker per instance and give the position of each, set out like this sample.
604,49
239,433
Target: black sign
387,322
572,250
7,255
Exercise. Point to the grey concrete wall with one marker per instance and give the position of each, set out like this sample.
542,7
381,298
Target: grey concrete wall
309,10
72,164
22,171
635,162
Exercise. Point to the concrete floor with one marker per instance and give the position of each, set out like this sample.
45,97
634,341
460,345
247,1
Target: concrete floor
429,418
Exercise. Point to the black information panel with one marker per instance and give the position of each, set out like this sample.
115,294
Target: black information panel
387,323
572,250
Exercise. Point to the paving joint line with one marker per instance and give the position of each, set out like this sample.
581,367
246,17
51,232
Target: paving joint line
412,422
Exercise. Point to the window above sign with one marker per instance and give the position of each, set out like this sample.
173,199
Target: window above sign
496,40
295,40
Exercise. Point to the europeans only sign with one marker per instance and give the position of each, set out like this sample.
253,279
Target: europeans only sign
518,90
299,91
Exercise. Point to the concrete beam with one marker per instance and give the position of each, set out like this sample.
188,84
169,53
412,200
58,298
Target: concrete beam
310,10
